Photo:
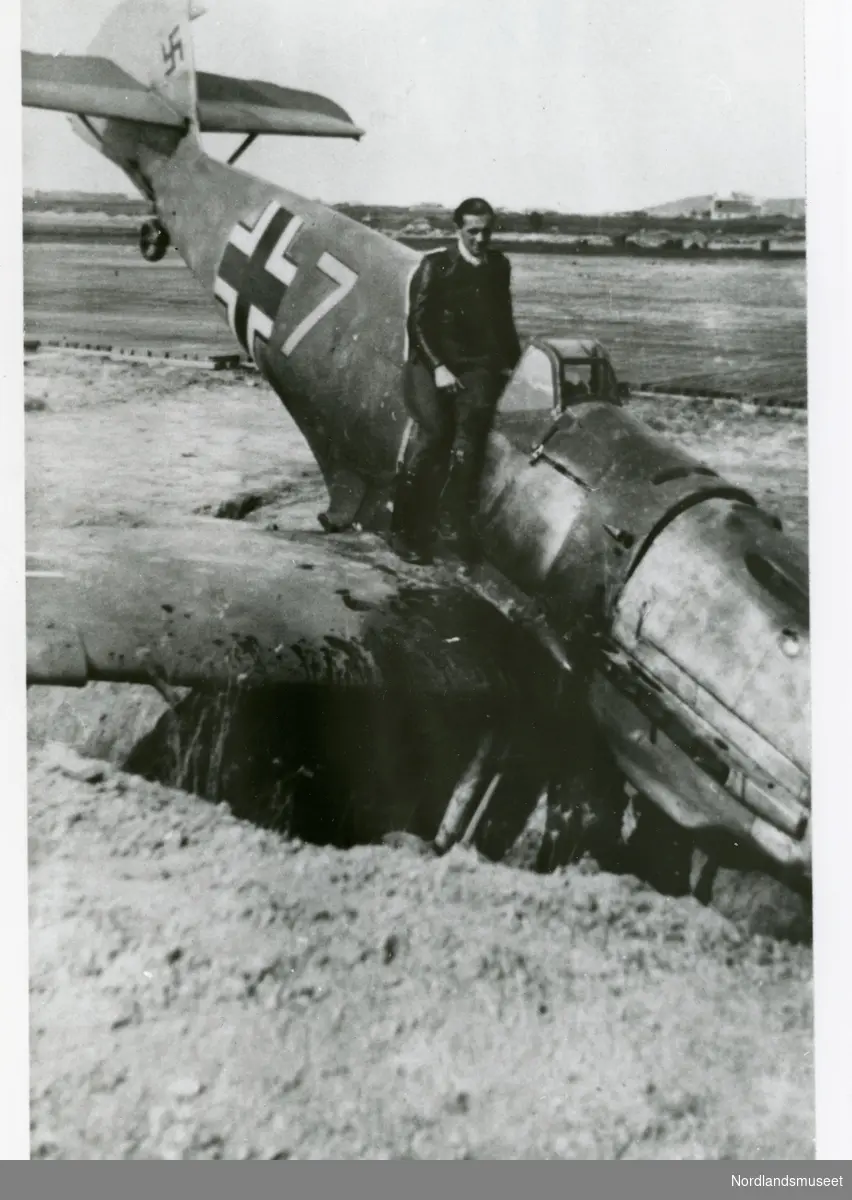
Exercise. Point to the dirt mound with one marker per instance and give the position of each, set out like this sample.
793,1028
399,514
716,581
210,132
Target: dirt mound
205,989
103,720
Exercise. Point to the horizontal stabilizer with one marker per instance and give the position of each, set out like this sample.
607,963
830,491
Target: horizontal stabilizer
97,87
227,105
92,86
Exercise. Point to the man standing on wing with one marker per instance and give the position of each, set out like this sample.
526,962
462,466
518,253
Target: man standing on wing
462,346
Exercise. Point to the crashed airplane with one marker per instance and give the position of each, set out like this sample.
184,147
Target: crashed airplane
620,573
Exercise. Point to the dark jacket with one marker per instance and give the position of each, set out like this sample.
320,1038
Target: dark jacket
460,315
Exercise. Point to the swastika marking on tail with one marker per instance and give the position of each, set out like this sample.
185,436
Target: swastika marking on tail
172,50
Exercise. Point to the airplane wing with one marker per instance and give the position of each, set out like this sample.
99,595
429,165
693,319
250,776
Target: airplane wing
214,605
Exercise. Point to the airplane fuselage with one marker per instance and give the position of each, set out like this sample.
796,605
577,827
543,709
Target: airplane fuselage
317,300
702,683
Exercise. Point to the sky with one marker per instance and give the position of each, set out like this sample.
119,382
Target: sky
579,105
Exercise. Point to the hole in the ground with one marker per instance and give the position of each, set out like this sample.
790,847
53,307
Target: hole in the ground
243,504
236,508
349,770
327,769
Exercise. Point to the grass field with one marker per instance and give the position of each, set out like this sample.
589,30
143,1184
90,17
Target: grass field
730,326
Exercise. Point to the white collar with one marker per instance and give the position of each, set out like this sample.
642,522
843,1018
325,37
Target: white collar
468,257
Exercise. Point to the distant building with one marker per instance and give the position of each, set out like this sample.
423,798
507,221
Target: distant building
418,228
733,208
428,209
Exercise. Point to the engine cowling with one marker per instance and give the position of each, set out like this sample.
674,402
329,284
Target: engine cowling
706,695
698,603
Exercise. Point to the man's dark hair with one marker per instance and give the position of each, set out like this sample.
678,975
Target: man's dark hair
474,206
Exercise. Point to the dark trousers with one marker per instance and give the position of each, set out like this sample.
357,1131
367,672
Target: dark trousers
444,457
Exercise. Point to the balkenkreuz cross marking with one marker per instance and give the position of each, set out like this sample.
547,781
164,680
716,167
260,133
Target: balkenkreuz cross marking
254,274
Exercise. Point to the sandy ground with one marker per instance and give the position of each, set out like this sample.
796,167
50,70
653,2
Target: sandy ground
178,441
204,989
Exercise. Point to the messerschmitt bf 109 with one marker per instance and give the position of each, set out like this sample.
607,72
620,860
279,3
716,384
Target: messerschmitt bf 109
619,572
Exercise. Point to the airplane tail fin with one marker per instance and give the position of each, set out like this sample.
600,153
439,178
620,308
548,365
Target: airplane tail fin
152,41
137,86
134,87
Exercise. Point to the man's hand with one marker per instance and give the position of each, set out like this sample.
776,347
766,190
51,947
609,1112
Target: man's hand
445,380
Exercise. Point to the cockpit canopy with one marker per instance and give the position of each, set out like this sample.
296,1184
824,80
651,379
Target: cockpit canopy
553,374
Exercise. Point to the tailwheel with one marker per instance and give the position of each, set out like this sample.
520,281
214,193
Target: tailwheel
153,241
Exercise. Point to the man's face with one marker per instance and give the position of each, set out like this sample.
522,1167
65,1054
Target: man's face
475,234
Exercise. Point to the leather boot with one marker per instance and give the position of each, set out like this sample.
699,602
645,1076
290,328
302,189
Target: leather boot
459,499
408,538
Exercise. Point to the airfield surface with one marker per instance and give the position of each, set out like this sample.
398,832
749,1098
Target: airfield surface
205,989
731,326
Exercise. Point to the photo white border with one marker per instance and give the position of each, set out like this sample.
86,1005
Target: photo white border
829,248
14,1011
829,201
